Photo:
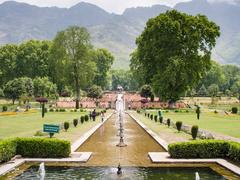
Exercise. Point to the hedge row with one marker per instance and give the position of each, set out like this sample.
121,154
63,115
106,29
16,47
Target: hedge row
7,149
34,148
205,149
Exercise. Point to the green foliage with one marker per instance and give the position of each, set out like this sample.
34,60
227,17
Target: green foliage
62,110
17,88
82,118
86,118
213,90
66,125
174,52
71,60
95,92
155,118
179,125
4,108
234,152
161,119
202,91
168,122
123,78
151,116
43,148
1,93
7,150
194,132
51,110
104,61
75,122
44,88
199,149
234,110
146,91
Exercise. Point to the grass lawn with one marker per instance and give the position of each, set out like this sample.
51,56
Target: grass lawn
170,135
26,125
219,123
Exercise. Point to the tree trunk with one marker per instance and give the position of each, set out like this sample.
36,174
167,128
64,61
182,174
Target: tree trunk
77,95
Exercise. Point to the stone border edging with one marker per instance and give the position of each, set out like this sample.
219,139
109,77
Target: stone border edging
86,135
154,135
164,157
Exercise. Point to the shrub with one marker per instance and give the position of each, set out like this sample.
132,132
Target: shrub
155,118
7,150
234,151
138,111
66,125
86,118
179,125
161,119
166,111
51,110
62,110
151,117
148,115
75,110
57,110
194,131
43,148
176,111
187,111
215,111
75,122
168,122
40,133
82,118
199,149
234,110
81,110
145,114
4,108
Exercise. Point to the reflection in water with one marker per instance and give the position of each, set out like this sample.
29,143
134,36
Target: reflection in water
108,173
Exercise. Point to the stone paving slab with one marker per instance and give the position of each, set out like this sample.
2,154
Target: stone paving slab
160,141
9,166
164,157
86,135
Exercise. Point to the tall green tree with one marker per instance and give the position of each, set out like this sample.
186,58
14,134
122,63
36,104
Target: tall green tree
8,54
17,88
95,92
44,88
33,58
70,50
174,52
104,61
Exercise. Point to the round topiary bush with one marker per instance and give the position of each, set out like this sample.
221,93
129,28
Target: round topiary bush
66,125
75,122
4,108
161,119
145,114
234,110
179,125
51,110
155,118
168,122
86,117
148,115
82,118
194,131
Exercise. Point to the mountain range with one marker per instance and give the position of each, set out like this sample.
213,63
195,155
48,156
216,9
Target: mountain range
20,22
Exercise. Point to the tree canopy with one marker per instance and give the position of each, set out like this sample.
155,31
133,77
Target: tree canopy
173,52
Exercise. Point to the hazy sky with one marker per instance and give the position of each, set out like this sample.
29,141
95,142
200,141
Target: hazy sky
116,6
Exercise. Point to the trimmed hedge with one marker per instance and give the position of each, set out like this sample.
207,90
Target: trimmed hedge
34,148
7,150
43,148
199,149
234,151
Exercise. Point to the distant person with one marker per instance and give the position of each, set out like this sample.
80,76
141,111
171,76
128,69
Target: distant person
102,116
94,114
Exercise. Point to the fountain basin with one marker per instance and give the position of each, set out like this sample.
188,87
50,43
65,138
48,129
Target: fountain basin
206,171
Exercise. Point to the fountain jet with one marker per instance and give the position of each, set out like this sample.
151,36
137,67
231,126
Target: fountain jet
41,171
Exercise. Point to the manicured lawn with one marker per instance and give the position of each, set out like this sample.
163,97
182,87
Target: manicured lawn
170,135
26,125
219,123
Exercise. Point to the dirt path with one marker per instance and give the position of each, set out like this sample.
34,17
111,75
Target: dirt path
105,152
